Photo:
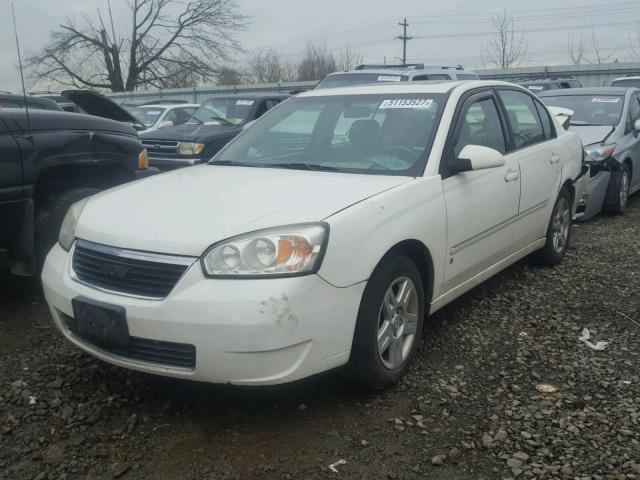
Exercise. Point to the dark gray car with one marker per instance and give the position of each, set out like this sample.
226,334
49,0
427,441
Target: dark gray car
607,119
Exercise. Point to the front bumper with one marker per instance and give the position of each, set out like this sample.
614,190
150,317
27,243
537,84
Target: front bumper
172,162
249,332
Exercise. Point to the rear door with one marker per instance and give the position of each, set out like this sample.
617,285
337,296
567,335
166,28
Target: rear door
481,205
11,193
534,146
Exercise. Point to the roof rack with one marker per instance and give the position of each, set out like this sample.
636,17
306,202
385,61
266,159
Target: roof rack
415,66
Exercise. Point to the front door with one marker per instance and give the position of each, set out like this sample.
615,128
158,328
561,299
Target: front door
481,205
10,186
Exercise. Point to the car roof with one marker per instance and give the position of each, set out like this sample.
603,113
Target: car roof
401,71
45,102
170,105
251,96
632,77
586,91
406,87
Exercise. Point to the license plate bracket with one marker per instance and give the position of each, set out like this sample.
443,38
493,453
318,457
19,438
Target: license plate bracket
101,323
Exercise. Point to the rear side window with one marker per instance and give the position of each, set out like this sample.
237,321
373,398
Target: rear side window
546,121
433,76
523,117
467,76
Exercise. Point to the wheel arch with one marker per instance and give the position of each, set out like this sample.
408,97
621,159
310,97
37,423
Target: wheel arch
421,256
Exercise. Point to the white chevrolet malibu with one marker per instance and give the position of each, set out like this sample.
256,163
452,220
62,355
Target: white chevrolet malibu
322,236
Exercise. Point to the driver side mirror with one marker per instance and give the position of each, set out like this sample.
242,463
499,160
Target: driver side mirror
477,157
166,124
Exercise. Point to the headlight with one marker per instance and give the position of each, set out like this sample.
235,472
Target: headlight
68,229
274,252
601,153
188,148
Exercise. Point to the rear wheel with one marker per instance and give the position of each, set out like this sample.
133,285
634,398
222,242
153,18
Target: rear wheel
389,323
558,232
50,216
618,191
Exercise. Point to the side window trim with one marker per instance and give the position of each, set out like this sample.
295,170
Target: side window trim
542,109
465,101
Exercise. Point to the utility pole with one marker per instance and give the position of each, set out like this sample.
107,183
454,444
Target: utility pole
404,39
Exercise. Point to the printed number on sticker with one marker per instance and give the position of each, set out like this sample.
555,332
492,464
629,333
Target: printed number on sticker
422,103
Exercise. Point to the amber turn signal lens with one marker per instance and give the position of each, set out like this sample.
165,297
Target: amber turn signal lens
143,160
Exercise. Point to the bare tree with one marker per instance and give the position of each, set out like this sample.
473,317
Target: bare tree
164,40
507,48
576,49
268,66
598,55
229,76
348,59
316,63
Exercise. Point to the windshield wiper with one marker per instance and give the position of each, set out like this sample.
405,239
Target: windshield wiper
302,166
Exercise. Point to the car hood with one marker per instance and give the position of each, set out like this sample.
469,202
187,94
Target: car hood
98,105
590,134
185,211
192,133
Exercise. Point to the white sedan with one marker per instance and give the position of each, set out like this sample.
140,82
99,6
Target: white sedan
156,117
321,236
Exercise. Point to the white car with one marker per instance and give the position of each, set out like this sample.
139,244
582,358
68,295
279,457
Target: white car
321,236
156,117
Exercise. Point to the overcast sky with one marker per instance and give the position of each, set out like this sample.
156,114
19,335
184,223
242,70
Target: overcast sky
447,32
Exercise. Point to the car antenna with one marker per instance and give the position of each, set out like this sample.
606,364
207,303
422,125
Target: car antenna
24,90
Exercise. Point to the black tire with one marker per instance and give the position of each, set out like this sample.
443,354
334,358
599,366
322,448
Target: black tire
550,254
366,363
49,219
618,191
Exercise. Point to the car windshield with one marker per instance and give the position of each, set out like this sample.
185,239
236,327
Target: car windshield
626,82
225,111
600,110
148,116
380,134
347,79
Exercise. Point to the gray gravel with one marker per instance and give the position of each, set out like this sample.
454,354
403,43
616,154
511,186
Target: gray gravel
476,405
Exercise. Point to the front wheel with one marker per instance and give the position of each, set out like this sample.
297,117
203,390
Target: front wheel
558,232
389,323
618,191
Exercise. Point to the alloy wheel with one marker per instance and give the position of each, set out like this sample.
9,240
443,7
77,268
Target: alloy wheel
561,225
397,322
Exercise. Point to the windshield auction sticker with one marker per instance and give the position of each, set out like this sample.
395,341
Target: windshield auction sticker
389,78
415,103
605,100
245,102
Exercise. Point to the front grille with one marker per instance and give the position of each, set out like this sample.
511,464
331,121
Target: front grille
160,145
126,271
152,351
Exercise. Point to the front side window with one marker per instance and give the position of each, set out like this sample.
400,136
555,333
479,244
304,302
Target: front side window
599,110
479,124
376,134
225,111
523,118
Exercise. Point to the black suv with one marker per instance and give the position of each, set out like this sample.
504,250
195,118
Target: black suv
50,160
212,126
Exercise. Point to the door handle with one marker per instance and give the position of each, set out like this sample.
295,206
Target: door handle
511,176
554,158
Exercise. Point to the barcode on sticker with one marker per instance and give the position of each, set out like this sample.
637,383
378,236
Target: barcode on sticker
389,78
245,102
605,100
418,103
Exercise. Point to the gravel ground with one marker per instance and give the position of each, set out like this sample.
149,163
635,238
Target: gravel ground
469,409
